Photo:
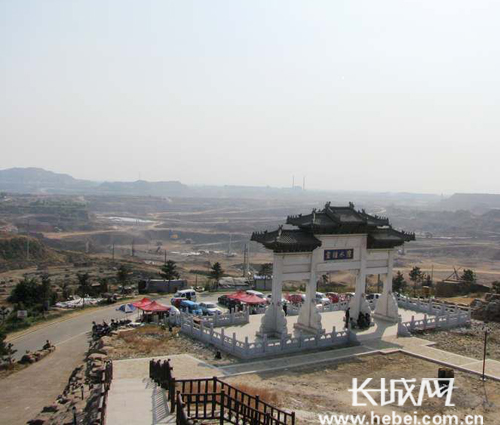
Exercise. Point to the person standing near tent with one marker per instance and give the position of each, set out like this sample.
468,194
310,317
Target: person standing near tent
347,317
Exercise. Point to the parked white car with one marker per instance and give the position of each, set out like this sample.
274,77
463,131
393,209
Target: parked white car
210,309
322,299
270,297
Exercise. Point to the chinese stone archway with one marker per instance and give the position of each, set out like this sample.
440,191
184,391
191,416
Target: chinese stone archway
332,239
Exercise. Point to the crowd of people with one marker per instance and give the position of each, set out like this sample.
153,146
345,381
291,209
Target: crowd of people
363,321
100,330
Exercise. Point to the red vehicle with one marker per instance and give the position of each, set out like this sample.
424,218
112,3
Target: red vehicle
333,297
347,296
176,301
296,298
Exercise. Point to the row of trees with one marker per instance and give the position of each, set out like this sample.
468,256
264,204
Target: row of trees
420,278
417,277
33,294
170,272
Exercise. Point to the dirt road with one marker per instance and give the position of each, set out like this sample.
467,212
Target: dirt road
26,392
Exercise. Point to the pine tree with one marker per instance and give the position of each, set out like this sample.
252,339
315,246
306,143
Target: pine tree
415,276
169,271
469,278
46,290
122,276
266,270
216,272
398,282
83,285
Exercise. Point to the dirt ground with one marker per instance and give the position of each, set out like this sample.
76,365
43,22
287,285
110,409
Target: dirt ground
324,388
150,341
10,369
467,341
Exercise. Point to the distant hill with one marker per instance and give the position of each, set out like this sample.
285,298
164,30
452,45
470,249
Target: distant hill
475,202
38,180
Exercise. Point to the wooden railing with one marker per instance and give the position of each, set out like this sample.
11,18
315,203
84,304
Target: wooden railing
182,417
106,378
212,398
161,373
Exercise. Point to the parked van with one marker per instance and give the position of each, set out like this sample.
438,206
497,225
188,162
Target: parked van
190,307
188,294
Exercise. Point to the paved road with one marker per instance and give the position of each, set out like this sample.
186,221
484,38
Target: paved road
75,328
25,393
67,330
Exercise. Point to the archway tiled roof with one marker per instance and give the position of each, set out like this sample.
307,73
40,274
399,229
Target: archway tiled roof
332,220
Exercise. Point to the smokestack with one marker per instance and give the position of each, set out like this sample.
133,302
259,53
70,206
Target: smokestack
293,182
304,183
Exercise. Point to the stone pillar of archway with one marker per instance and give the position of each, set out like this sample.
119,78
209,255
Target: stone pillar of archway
309,319
387,306
274,322
358,303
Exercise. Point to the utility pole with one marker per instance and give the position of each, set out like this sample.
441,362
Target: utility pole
486,330
133,248
113,250
165,252
246,261
28,242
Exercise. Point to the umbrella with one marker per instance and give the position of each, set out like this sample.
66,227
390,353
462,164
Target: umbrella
127,308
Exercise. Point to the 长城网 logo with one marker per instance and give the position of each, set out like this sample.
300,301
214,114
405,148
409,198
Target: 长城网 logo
400,391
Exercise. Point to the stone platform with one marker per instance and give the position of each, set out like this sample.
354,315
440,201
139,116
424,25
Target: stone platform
328,321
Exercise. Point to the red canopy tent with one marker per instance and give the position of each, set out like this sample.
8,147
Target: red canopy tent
247,298
145,301
154,307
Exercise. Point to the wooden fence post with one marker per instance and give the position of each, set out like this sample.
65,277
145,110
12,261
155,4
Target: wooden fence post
222,400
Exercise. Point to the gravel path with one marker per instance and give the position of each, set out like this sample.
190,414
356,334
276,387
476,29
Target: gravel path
467,341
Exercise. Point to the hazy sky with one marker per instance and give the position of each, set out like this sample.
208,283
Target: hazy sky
356,94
